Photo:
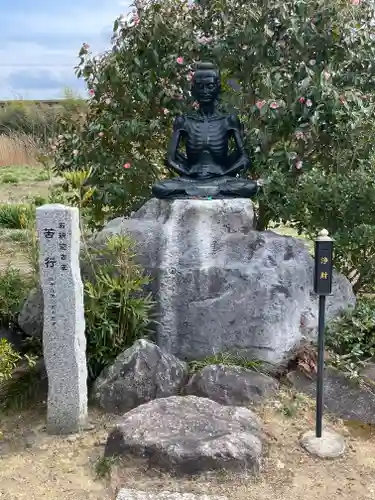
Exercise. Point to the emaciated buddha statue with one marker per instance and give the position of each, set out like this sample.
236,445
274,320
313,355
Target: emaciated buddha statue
207,167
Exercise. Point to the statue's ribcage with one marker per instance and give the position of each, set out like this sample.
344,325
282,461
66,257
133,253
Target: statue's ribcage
211,137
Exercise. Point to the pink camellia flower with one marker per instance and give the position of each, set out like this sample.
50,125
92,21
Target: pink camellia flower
302,100
127,165
355,2
180,60
101,134
190,76
274,105
309,103
299,135
299,164
91,92
260,104
166,111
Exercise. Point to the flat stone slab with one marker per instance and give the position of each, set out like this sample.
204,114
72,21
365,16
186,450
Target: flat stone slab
126,494
330,445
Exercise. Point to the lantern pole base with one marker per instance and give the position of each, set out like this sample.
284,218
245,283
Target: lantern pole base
330,445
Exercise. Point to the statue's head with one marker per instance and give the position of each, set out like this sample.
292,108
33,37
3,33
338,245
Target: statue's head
206,83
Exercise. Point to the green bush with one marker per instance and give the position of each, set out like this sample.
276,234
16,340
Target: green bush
117,310
14,289
8,360
352,336
16,216
9,179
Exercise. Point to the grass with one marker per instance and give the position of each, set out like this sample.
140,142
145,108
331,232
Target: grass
17,174
18,149
22,188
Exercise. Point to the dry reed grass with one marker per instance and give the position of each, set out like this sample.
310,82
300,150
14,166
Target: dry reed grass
18,149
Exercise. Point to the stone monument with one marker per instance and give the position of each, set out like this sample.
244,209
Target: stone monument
64,341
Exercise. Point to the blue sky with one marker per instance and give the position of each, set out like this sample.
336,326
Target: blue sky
40,40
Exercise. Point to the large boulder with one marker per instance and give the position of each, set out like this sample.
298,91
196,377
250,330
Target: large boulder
231,385
220,285
30,319
140,374
344,397
189,435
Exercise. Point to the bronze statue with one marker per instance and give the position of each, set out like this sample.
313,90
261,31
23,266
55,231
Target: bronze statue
208,168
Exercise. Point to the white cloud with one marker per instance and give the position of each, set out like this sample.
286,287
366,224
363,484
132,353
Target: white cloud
45,45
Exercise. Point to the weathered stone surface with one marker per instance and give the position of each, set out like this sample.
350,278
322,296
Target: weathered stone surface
343,397
187,434
30,319
231,385
126,494
220,285
140,374
368,372
64,341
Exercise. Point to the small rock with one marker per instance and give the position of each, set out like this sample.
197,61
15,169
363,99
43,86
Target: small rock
187,434
126,494
140,374
73,438
330,445
231,385
29,438
5,447
88,427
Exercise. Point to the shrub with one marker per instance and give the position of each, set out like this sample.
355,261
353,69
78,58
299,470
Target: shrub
117,310
16,216
352,336
14,289
8,360
9,179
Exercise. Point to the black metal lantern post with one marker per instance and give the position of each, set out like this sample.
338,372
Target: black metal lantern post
322,287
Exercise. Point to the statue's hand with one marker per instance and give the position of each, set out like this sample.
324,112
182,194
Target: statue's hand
179,169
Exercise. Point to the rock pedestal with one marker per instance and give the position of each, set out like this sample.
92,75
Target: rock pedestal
222,286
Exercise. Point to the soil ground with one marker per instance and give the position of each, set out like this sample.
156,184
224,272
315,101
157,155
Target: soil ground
35,466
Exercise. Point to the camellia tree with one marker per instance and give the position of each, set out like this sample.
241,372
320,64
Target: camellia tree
299,72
